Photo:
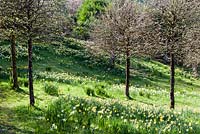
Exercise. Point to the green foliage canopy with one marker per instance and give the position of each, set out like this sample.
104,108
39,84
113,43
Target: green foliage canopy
87,13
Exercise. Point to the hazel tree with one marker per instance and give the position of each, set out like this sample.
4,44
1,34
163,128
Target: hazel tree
120,29
171,20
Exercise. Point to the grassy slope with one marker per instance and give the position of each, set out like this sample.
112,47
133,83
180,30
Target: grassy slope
150,85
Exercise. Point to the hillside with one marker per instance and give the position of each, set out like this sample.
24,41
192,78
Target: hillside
69,66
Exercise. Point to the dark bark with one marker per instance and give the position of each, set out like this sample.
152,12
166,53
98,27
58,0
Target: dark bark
30,58
30,66
127,74
172,80
14,62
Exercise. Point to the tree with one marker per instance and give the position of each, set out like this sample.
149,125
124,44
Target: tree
120,29
73,6
88,12
105,39
64,13
9,24
171,20
192,51
36,16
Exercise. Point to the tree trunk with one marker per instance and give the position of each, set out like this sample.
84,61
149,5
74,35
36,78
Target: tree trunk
112,59
30,60
195,70
127,74
172,80
14,63
31,93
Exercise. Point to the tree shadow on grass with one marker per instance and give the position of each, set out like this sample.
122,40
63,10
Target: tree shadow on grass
20,90
9,129
8,118
148,103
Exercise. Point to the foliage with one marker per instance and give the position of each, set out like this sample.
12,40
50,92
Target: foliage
171,20
88,12
89,91
101,89
5,50
112,117
81,32
120,30
51,88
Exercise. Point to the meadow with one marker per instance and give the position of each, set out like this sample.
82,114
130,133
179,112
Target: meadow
77,92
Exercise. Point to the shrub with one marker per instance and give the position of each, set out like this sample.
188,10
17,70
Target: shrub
51,88
89,91
100,89
102,92
141,93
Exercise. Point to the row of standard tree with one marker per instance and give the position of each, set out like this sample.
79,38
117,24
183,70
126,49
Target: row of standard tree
161,26
131,28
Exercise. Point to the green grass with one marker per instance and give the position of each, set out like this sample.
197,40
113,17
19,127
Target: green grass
75,69
112,116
